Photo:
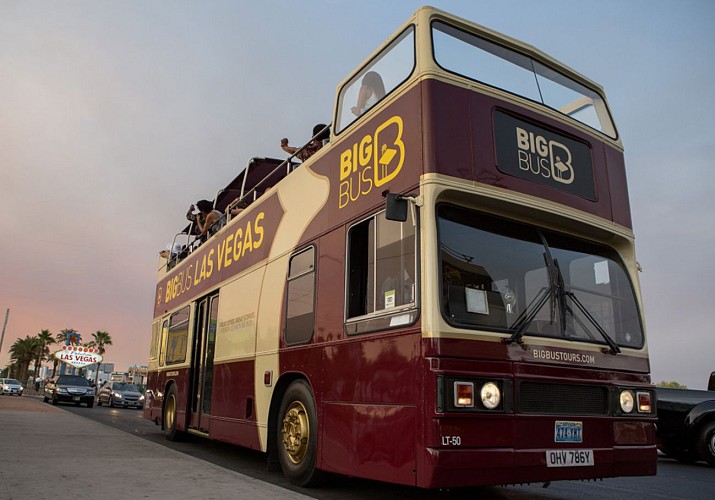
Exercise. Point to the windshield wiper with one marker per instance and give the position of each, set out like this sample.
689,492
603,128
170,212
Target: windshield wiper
556,294
528,315
614,349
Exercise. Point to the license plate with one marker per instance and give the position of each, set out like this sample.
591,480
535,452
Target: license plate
75,398
566,431
569,458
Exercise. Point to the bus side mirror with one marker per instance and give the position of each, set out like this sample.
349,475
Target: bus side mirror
395,207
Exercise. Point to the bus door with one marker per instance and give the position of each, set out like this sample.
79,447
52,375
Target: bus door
202,362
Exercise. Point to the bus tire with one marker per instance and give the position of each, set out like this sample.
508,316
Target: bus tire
169,416
706,443
297,435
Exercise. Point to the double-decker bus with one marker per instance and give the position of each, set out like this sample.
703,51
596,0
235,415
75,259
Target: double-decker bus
444,295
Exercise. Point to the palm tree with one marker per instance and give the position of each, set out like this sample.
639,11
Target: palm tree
45,338
23,351
61,338
100,340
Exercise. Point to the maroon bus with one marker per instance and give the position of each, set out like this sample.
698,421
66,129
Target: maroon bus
445,294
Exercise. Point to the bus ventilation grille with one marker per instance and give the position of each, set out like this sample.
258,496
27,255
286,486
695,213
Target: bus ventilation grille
562,399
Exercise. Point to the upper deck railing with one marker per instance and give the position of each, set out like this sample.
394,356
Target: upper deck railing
259,175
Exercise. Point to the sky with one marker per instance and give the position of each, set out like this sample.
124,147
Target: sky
115,116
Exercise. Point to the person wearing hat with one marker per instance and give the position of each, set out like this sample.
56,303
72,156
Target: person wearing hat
211,221
321,132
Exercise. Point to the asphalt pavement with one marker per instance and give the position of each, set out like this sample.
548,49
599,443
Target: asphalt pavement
46,452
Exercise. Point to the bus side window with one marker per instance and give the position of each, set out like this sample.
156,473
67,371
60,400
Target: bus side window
155,339
390,68
177,337
300,304
381,265
161,341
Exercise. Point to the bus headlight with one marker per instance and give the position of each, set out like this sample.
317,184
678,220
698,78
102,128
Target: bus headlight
627,401
490,395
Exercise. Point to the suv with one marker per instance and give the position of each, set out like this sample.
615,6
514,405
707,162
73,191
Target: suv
10,386
69,389
120,394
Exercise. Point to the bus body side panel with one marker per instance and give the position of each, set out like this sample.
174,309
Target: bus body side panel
234,418
179,378
382,416
233,396
302,195
330,287
353,164
370,406
618,183
152,406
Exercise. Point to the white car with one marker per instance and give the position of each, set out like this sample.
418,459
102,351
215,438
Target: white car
10,386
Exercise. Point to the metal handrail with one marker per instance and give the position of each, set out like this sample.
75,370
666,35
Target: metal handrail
287,163
243,195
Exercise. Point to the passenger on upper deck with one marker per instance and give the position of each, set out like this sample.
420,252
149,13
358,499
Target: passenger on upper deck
213,220
371,91
321,132
173,255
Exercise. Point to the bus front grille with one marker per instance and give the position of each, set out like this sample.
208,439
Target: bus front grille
562,399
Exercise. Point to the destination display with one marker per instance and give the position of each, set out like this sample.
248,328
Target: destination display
538,155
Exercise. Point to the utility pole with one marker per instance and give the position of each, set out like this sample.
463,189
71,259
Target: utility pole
2,336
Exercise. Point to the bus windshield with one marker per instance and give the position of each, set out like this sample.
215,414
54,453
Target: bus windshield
478,59
495,271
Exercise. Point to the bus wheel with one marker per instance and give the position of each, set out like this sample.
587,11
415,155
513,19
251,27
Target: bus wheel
169,418
706,443
298,435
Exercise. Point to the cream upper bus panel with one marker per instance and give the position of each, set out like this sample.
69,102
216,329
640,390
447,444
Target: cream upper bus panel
237,317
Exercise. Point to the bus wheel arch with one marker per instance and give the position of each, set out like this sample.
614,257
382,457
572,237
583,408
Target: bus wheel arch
293,435
169,414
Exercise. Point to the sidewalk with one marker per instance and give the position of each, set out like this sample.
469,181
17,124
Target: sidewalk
46,452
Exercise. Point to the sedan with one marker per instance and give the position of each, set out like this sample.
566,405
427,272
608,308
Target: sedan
69,389
10,386
120,394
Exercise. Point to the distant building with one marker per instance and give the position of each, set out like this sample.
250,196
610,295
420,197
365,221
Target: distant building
105,371
138,374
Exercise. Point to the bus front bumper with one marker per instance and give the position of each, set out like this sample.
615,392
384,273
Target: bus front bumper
474,467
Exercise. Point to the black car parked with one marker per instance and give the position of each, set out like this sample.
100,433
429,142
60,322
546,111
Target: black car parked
686,423
69,389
